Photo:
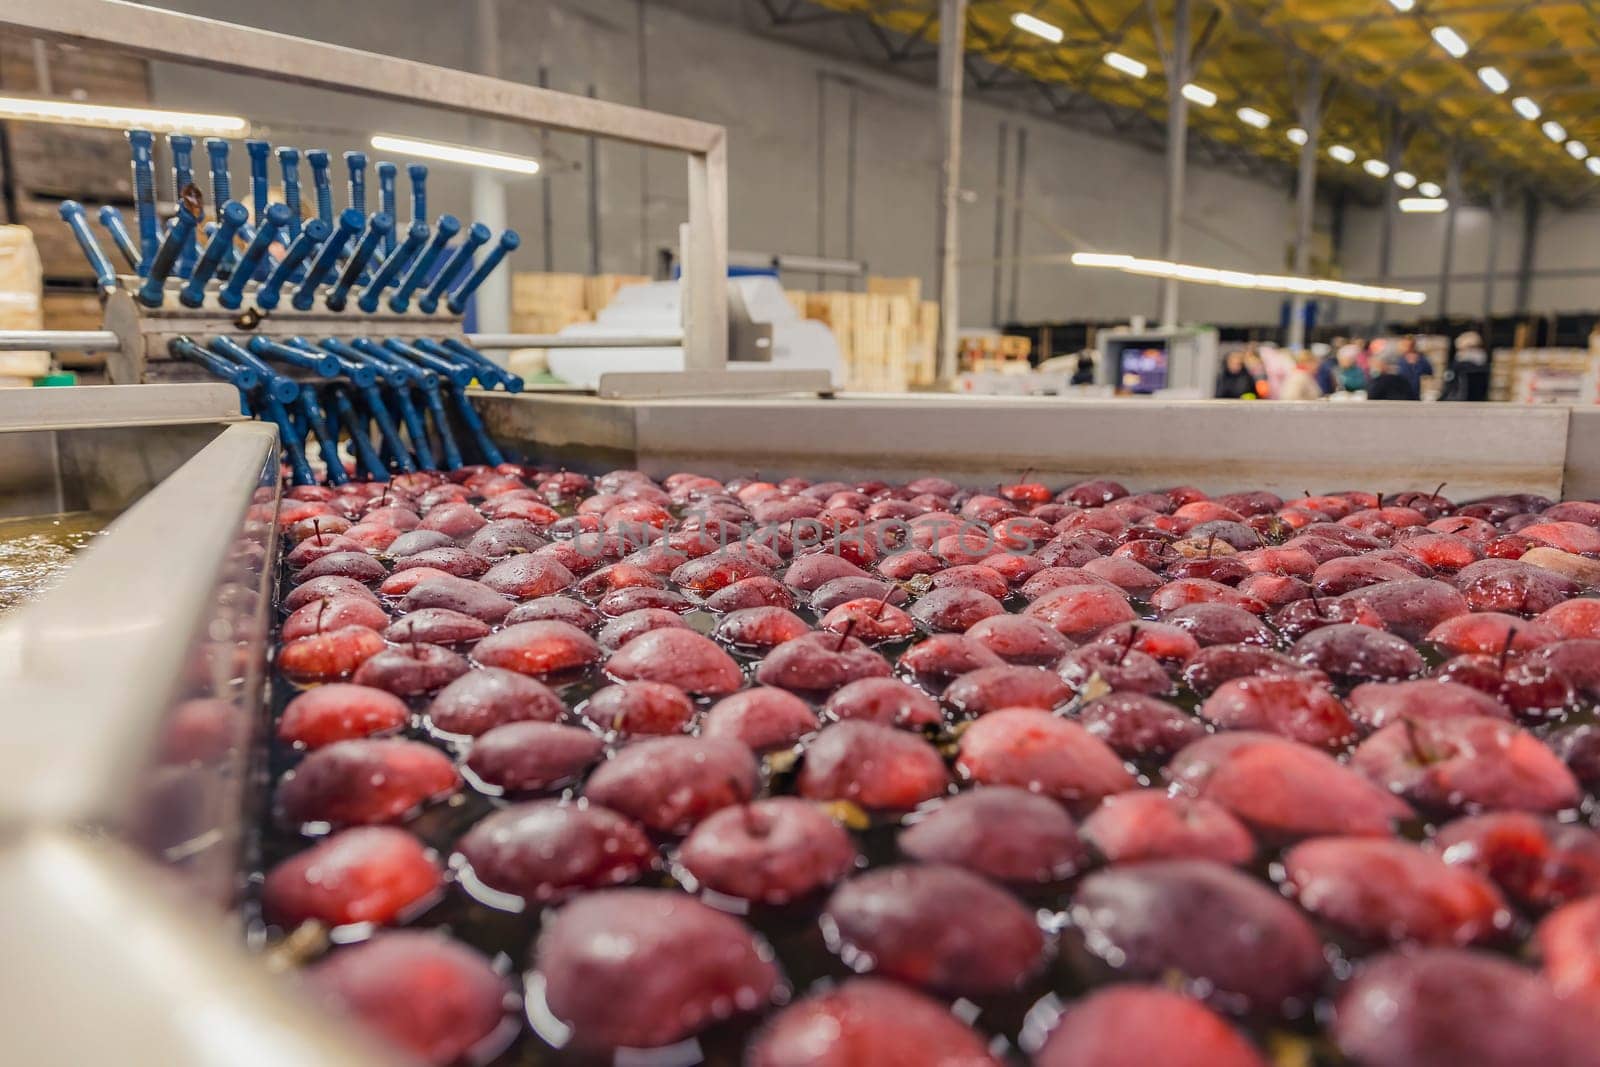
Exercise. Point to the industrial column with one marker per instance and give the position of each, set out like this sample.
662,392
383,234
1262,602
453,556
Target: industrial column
952,49
493,299
1177,63
1530,248
1452,191
1497,205
1310,108
1391,207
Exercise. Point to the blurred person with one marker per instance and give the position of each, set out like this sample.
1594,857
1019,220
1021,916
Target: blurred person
1414,367
1469,366
1348,377
1389,383
1258,372
1278,364
1301,382
1234,381
1084,372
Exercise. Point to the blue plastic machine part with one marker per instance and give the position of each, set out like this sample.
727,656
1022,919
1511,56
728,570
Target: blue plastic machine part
356,163
260,152
477,237
323,363
311,237
319,162
182,147
416,237
104,274
289,161
153,292
366,248
509,240
387,173
142,144
234,215
232,294
221,182
418,173
111,220
448,227
350,223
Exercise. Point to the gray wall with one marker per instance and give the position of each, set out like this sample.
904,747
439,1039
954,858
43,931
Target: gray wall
1565,241
782,106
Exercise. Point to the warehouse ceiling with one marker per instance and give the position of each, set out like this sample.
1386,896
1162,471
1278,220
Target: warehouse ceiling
1383,73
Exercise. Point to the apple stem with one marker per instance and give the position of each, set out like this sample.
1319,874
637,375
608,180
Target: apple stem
1127,646
1211,543
1439,490
844,635
1315,603
1505,649
316,531
322,609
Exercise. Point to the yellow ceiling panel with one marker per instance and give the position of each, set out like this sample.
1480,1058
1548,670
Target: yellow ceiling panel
1384,69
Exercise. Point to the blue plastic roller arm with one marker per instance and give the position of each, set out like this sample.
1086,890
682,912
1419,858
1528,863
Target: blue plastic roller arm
350,223
453,372
221,182
418,173
448,227
357,428
105,275
289,161
111,220
234,215
401,377
387,173
153,292
260,152
366,248
319,162
323,363
311,237
416,237
311,414
232,294
182,148
511,383
477,237
142,144
509,241
356,162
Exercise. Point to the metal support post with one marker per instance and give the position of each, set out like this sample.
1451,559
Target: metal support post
1177,62
952,50
1305,207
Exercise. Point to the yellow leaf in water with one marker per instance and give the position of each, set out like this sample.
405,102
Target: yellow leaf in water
848,813
1095,688
781,762
1288,1050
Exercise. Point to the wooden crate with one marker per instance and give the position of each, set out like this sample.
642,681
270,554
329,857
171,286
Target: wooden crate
50,160
547,321
599,289
908,288
540,292
75,310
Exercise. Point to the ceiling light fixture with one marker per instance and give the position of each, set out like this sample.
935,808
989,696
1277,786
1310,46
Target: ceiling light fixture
1492,77
1251,117
66,113
1237,279
1554,130
1423,205
1038,27
1342,154
449,153
1526,108
1593,163
1376,167
1405,179
1403,5
1127,64
1296,135
1577,149
1430,189
1198,94
1450,41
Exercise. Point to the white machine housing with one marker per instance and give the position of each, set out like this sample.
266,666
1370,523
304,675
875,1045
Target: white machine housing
766,333
1189,354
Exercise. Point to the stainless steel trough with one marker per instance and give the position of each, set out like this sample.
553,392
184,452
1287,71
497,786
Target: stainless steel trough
133,691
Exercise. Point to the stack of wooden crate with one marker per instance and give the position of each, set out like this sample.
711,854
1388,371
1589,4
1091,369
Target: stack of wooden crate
1545,375
45,164
1001,353
548,302
886,335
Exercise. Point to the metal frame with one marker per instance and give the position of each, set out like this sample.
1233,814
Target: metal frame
222,46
